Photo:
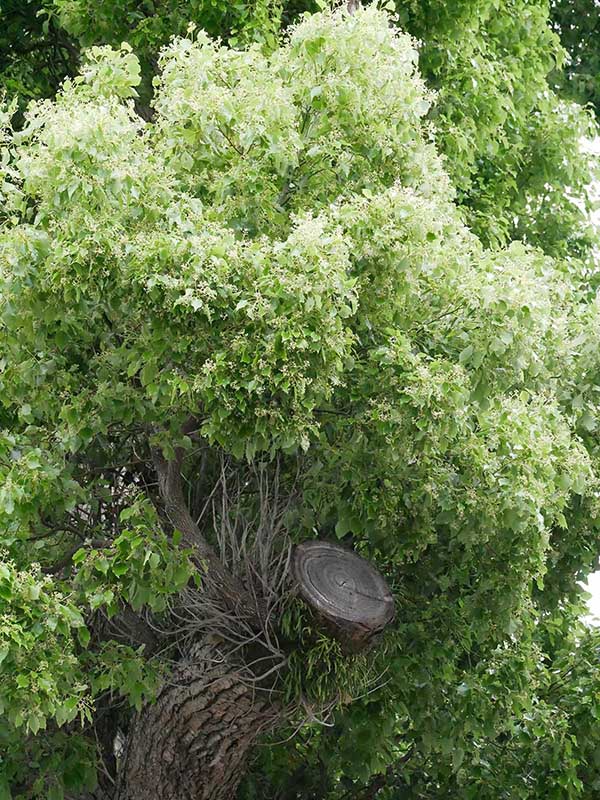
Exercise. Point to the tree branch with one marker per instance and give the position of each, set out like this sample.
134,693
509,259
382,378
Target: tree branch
219,580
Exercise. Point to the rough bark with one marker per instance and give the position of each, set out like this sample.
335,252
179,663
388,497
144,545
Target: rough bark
193,743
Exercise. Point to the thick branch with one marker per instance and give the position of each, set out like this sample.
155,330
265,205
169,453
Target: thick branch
219,580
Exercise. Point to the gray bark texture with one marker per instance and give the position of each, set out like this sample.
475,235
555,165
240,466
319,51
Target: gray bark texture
348,595
194,741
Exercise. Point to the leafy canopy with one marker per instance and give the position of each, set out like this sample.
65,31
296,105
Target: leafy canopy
511,140
280,252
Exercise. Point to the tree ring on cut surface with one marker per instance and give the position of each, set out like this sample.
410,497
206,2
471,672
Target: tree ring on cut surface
347,593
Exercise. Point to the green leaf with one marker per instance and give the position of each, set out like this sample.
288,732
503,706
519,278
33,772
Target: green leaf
465,355
458,756
5,793
79,556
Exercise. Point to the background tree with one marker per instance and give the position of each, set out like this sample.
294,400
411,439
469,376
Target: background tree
42,40
578,24
36,54
259,318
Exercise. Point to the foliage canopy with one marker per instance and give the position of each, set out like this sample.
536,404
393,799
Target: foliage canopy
369,286
496,65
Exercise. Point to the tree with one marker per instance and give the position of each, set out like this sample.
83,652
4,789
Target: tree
511,141
43,40
36,54
578,24
255,320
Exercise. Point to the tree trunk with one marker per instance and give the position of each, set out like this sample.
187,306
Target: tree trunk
193,742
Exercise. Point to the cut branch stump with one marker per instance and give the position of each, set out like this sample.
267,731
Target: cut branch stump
351,599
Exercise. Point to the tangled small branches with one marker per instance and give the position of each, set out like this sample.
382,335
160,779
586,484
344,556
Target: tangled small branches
245,518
